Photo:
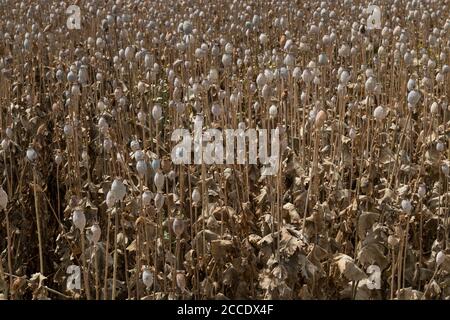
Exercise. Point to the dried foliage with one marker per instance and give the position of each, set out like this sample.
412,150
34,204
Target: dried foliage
359,208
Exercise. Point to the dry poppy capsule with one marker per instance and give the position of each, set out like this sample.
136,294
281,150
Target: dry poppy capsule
195,196
58,159
31,154
178,227
159,200
439,146
434,108
320,119
118,189
96,233
159,180
392,241
156,112
5,144
3,199
406,206
273,111
110,199
379,113
141,167
79,219
440,258
147,278
147,197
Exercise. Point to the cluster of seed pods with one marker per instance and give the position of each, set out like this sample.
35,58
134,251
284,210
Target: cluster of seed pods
361,111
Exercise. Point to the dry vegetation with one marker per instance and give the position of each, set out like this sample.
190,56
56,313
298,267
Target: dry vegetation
87,179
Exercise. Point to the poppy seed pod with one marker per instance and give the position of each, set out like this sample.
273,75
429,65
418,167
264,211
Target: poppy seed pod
79,219
147,197
413,97
58,159
31,154
110,199
178,227
379,113
156,112
434,108
118,189
196,196
440,258
320,119
147,278
141,167
159,180
5,144
406,206
263,39
159,200
3,199
273,111
96,233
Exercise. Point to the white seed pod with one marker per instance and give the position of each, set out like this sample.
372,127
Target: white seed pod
434,108
422,190
58,159
406,206
187,27
344,77
147,278
141,167
323,59
273,111
195,196
392,241
110,199
411,84
320,119
413,98
71,76
156,163
307,76
352,133
79,219
379,113
68,130
31,154
135,146
178,227
440,258
263,39
229,48
141,87
96,233
226,60
9,133
213,75
147,197
118,189
3,199
261,80
159,200
157,112
268,74
159,180
370,85
297,73
439,146
5,144
129,53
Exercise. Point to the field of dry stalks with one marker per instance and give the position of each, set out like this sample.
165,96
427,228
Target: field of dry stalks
93,207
